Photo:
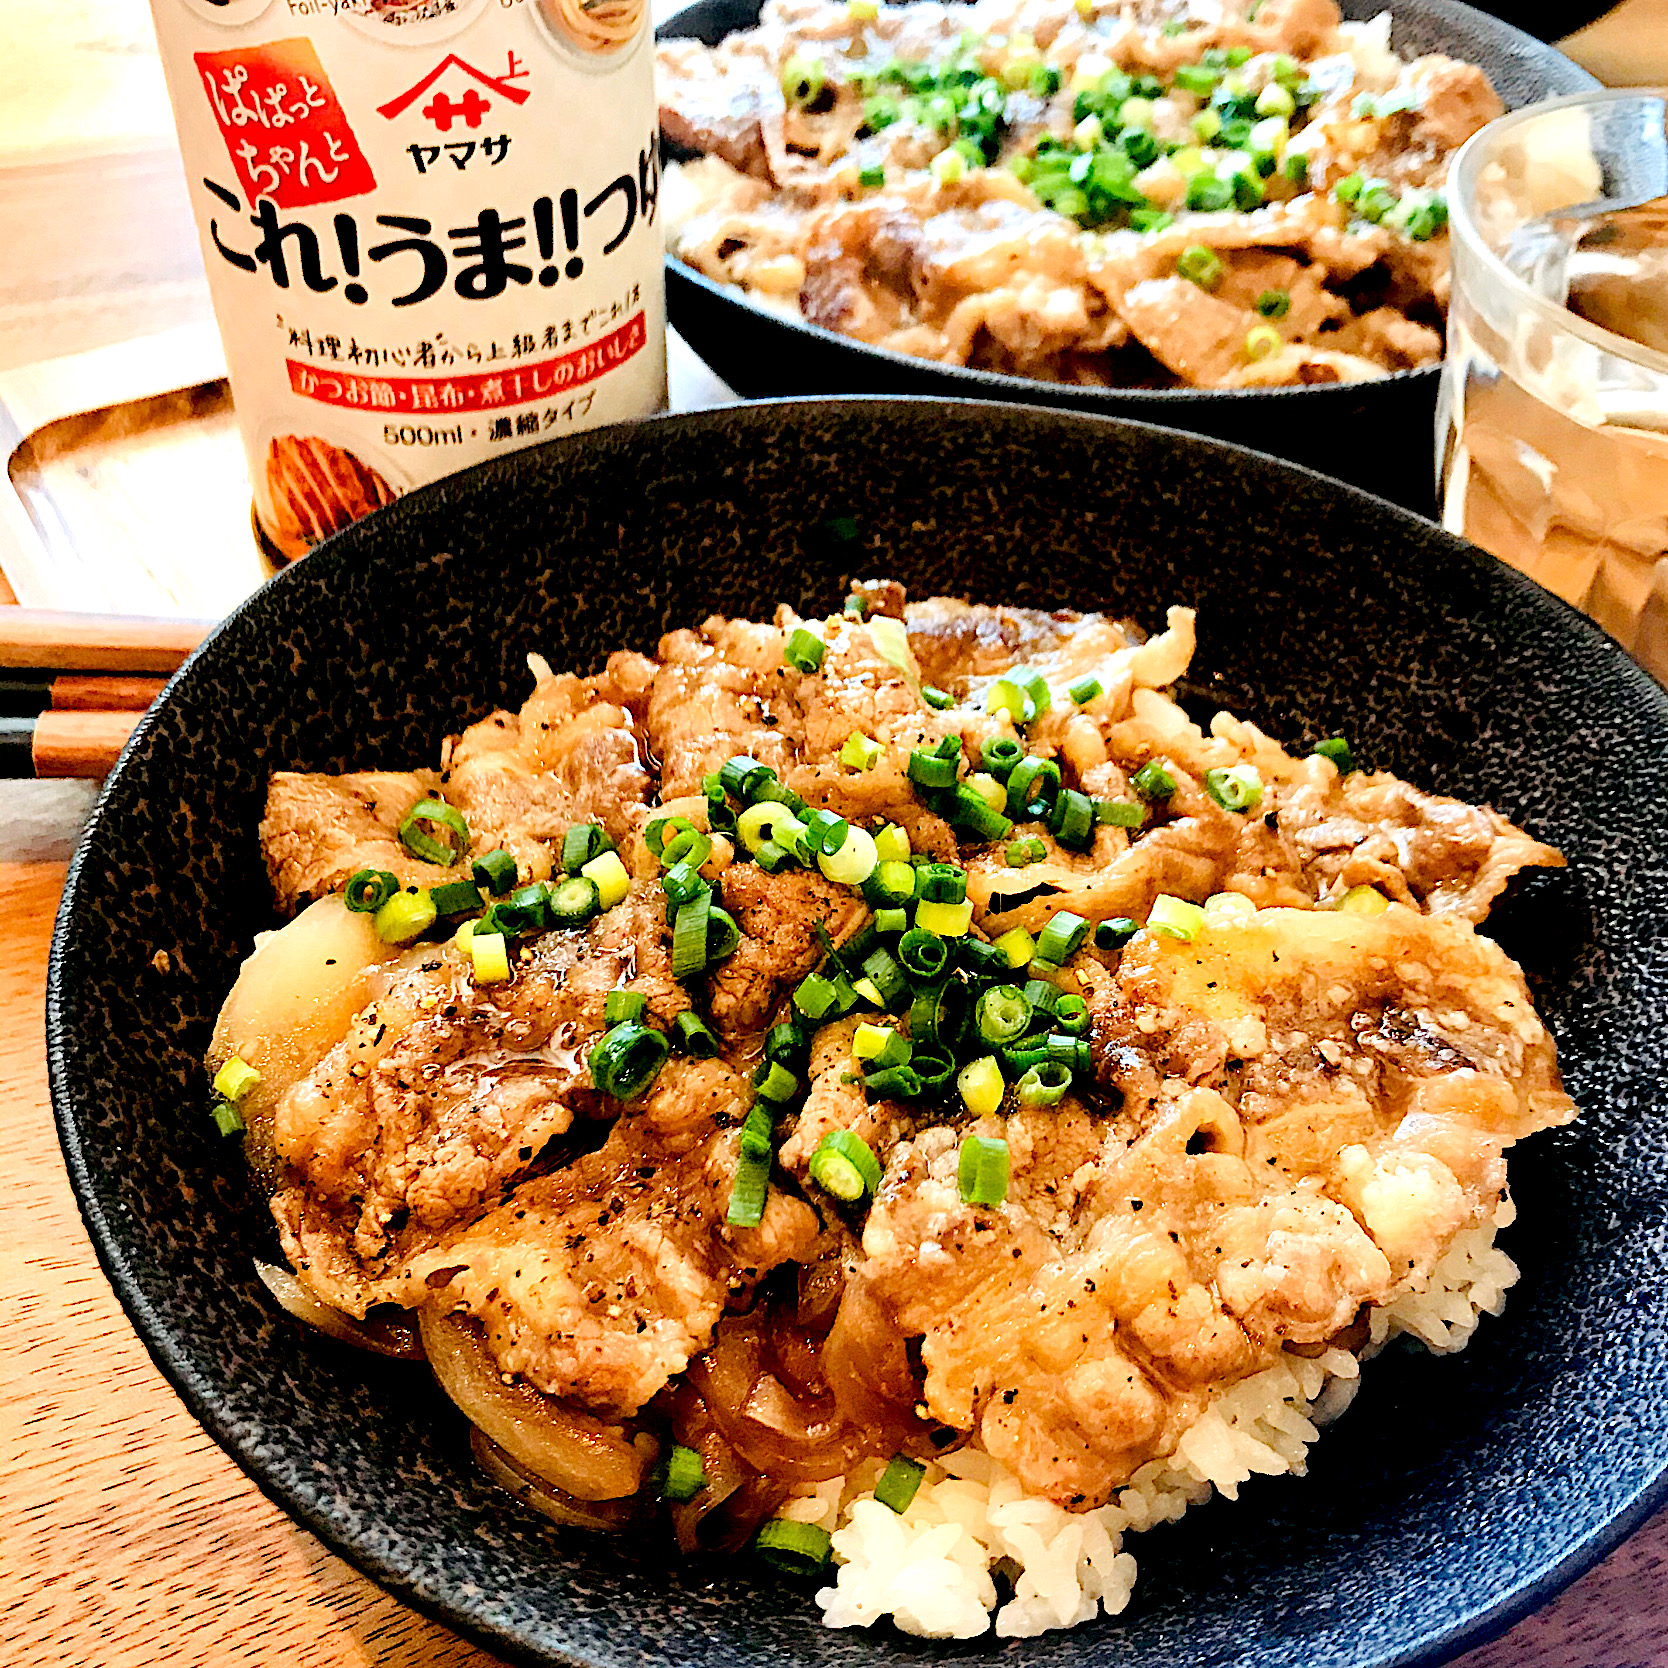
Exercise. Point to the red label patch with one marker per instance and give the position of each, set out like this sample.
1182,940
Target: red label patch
288,136
486,392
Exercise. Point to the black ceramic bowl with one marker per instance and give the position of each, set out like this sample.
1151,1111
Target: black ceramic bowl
1455,1494
1377,435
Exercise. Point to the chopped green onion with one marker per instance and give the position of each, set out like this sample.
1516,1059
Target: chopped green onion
423,825
748,1192
1017,946
980,1085
1062,937
845,1165
816,997
1067,1050
610,876
689,936
581,843
456,897
1175,918
872,177
680,883
935,1014
1196,263
1085,690
999,755
899,1483
773,1081
982,1171
1363,900
938,699
825,831
948,920
1227,906
902,1081
406,915
1296,168
1043,1084
803,79
804,651
861,752
235,1079
621,1005
924,954
739,774
1005,695
1120,813
770,821
684,1476
941,883
1043,995
368,890
1153,782
1262,341
882,1044
987,787
1206,194
1032,787
980,958
1071,1014
692,1035
1275,100
887,977
1036,689
853,862
929,770
1116,933
495,872
793,1548
789,1043
892,844
1001,1015
688,845
723,934
971,812
572,902
627,1059
891,920
489,957
1238,788
1274,304
1334,748
1072,819
227,1119
891,886
661,829
1022,853
933,1064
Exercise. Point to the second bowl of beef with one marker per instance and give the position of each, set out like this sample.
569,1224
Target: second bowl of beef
1227,218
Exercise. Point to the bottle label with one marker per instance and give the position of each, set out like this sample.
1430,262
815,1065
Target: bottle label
430,229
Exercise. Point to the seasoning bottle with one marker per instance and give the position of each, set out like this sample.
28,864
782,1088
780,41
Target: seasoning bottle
430,229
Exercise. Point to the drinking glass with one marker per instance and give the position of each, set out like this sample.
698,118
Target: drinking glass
1553,430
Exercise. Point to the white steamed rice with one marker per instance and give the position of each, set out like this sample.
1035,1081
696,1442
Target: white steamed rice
940,1569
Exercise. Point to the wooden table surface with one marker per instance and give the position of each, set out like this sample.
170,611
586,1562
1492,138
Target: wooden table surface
127,1538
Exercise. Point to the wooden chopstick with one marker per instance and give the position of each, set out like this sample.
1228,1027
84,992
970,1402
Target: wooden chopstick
65,642
23,694
56,744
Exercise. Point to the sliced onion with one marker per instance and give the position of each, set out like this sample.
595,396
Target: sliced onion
795,1438
722,1516
560,1507
382,1337
571,1451
870,1375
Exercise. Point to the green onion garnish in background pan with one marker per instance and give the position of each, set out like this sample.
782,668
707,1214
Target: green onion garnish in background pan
434,832
368,890
1334,748
1154,782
